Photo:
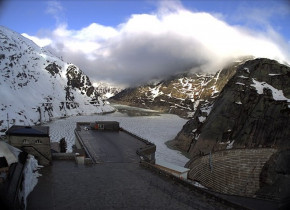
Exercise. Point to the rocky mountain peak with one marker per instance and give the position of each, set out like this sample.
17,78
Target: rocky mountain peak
37,86
252,110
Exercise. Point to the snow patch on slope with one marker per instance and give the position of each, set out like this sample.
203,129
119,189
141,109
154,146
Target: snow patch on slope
278,95
155,92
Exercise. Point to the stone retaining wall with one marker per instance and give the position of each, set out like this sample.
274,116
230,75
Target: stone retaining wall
234,172
147,152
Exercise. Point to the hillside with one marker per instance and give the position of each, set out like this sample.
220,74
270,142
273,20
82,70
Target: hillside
251,114
180,94
251,111
106,90
37,86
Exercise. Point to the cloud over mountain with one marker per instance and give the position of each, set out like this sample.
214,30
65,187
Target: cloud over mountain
149,46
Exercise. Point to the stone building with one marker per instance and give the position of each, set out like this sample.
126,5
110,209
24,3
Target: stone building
33,140
105,125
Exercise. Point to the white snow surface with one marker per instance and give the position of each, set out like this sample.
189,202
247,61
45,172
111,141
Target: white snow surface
157,129
230,144
30,169
155,92
197,184
239,83
30,94
247,70
201,119
107,90
243,77
9,152
30,176
274,74
278,95
206,109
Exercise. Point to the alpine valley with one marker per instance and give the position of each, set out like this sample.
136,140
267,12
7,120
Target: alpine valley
243,108
180,94
239,118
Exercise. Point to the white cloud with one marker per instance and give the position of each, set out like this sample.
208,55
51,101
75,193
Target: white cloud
42,42
171,40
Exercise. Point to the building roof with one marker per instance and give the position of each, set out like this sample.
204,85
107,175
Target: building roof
17,130
107,122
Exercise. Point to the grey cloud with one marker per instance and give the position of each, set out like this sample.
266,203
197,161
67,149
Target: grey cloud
138,59
169,42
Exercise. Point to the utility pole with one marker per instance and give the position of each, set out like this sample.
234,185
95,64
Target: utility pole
7,121
39,110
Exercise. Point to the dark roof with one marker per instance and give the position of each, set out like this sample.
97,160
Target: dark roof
17,130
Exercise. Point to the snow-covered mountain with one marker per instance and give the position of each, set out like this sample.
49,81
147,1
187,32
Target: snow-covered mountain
106,90
180,94
37,86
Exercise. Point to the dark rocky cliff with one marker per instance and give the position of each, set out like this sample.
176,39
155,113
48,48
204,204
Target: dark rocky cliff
251,111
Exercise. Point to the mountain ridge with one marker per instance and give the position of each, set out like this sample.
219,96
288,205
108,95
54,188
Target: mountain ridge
37,86
179,94
258,92
252,112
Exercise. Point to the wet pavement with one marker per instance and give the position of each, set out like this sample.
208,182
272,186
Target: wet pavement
106,146
116,182
65,185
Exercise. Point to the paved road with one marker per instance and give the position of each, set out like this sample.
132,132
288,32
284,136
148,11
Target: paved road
65,185
117,182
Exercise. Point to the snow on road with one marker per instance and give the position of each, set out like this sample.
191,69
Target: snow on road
157,129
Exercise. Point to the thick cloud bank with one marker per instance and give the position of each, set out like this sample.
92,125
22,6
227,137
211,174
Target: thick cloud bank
150,46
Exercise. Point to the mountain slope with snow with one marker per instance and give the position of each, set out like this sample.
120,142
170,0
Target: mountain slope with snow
37,86
253,110
180,94
106,90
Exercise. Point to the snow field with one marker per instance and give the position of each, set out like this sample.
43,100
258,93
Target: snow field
157,129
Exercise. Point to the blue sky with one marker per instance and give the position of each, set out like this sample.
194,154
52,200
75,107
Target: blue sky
30,16
101,33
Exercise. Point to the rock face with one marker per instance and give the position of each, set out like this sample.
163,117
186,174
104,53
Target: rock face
251,111
37,86
274,179
180,94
